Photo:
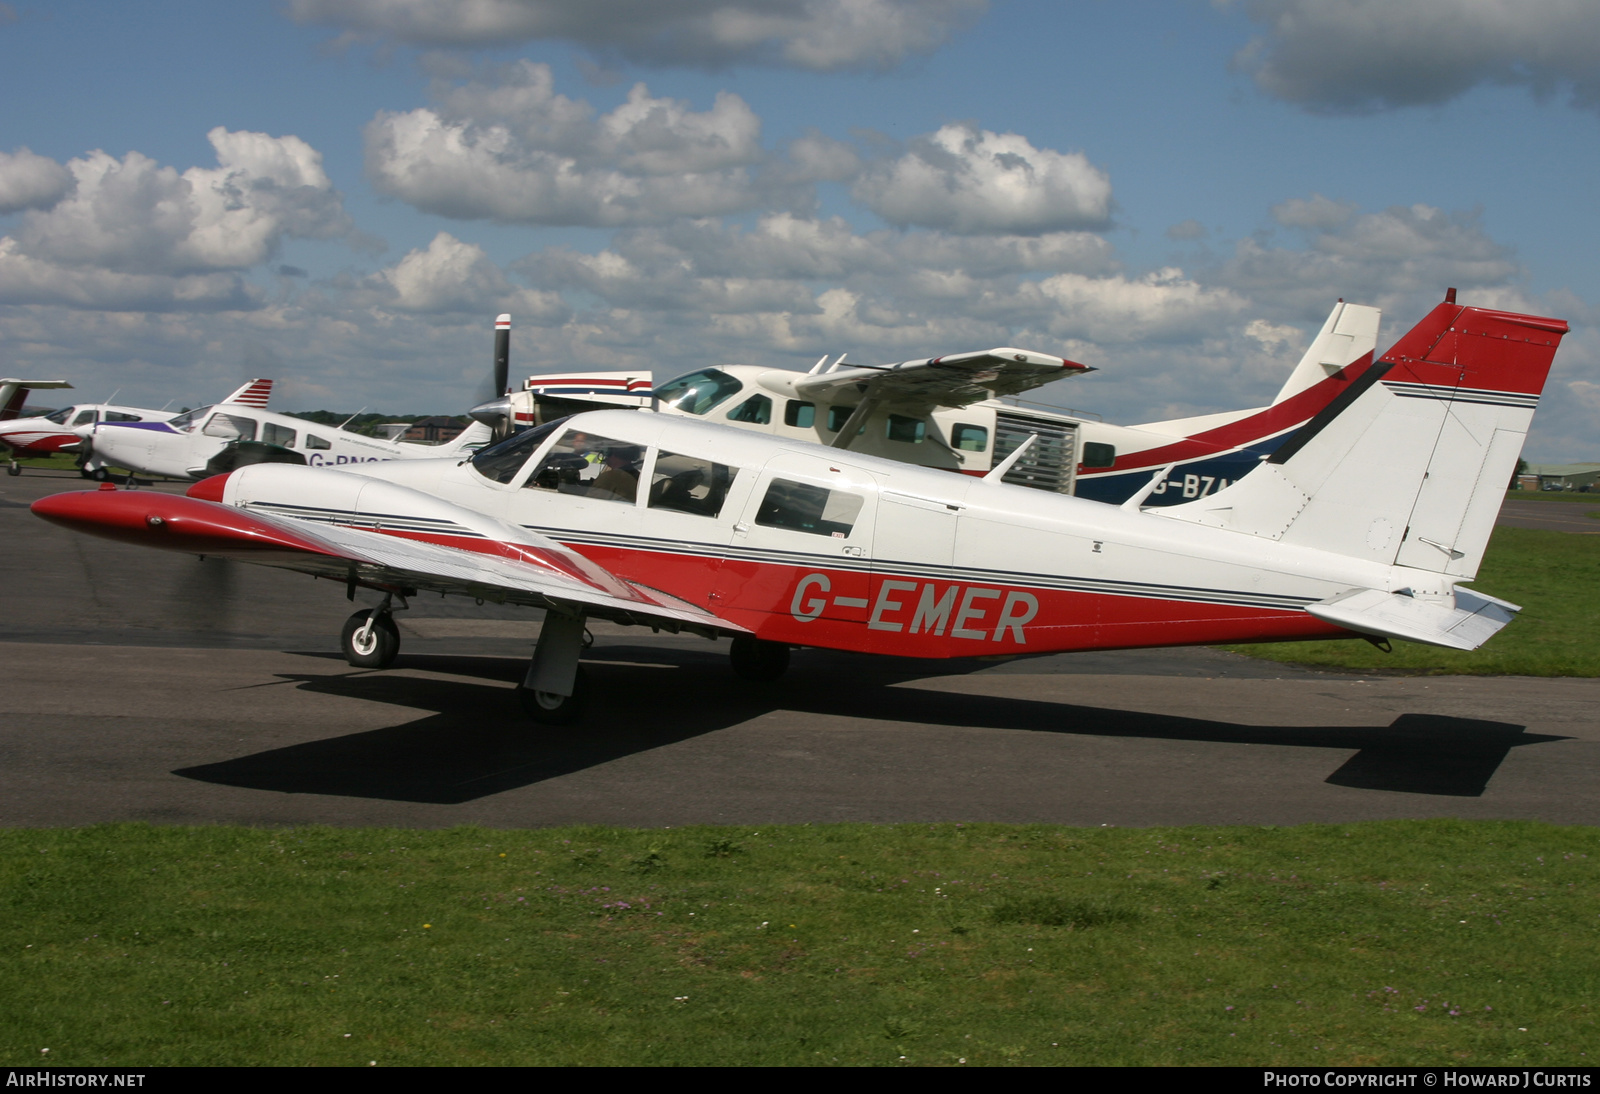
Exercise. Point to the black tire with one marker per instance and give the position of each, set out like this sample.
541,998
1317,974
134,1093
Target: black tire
14,469
758,661
85,472
555,710
100,474
382,645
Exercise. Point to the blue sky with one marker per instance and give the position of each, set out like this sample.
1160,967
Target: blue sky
341,194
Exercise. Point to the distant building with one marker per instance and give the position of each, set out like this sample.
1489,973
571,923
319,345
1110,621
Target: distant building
1564,476
436,430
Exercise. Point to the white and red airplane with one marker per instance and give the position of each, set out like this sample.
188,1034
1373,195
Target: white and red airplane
1367,522
241,430
65,430
948,412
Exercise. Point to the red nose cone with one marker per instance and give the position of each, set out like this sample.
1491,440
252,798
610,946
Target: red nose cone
209,489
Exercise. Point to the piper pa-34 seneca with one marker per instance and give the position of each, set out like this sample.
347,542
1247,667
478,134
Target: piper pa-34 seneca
1365,523
948,412
65,430
240,430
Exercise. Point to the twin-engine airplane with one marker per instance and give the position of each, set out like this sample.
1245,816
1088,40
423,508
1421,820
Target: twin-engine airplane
948,412
240,430
1365,523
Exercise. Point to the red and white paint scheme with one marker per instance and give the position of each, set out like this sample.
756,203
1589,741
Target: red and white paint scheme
65,430
240,430
1366,522
950,412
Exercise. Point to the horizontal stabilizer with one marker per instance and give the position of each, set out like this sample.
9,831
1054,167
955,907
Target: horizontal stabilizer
1466,624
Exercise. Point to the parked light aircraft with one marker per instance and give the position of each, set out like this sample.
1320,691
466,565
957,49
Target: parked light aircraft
64,430
1366,522
947,412
240,430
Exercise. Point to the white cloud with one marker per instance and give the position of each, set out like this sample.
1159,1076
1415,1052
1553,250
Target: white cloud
452,276
131,233
1358,56
968,180
1397,259
29,181
823,35
514,150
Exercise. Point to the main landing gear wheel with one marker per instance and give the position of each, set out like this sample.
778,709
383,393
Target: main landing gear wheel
758,661
373,646
100,474
13,469
548,708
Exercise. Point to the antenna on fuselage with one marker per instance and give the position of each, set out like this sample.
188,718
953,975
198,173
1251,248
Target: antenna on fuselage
352,417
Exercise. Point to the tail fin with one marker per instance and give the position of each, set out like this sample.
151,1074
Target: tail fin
14,394
1350,333
1409,465
256,393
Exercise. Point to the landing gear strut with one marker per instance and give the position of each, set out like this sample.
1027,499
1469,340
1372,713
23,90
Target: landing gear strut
554,690
370,639
758,661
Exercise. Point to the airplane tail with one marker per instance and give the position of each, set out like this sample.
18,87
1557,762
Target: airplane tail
256,393
14,394
1350,333
1408,466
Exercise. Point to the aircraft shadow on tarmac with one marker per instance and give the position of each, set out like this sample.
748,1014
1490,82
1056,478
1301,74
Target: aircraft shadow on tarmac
476,742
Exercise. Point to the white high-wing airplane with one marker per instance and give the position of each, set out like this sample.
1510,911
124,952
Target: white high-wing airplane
946,412
240,431
1365,523
64,430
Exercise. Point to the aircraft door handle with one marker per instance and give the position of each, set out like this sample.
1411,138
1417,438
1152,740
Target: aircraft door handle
741,528
856,551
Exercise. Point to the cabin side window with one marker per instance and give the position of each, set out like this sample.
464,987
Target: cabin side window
690,484
273,433
231,426
798,414
756,410
315,442
967,437
905,429
590,466
1099,454
802,507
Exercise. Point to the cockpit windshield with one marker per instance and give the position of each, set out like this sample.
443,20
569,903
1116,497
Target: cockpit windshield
698,392
60,417
501,462
186,422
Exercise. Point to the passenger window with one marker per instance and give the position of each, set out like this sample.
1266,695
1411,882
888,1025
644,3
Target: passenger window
591,466
838,416
800,415
689,484
970,438
1097,454
315,442
698,392
907,430
757,410
802,507
273,433
231,426
118,416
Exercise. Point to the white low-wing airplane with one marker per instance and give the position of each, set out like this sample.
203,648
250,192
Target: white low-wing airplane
64,430
241,430
947,412
1364,523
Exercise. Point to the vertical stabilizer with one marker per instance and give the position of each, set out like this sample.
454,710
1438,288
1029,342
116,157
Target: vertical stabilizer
256,393
1409,465
1349,335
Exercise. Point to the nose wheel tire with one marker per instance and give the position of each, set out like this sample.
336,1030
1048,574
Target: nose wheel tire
373,647
550,709
100,474
758,661
14,469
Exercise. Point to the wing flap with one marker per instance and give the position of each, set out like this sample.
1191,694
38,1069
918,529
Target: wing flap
1467,623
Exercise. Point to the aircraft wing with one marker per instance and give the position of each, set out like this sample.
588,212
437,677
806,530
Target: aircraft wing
520,568
957,379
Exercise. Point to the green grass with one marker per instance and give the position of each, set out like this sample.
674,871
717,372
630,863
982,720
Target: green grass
1555,576
1410,942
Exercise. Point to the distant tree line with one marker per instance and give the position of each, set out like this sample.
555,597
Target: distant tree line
369,424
